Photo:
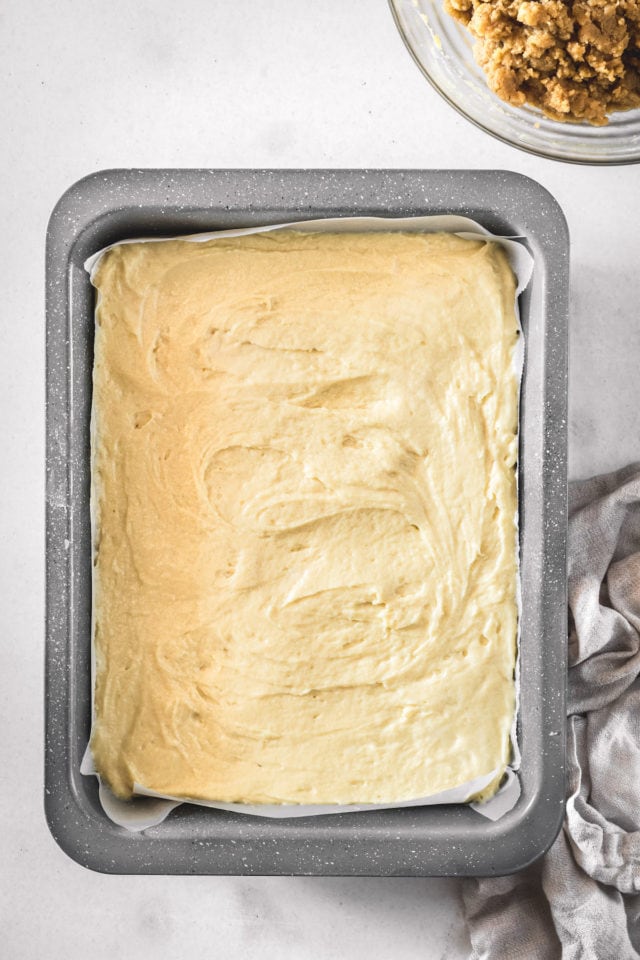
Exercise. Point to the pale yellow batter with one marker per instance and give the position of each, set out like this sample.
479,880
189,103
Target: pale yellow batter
304,495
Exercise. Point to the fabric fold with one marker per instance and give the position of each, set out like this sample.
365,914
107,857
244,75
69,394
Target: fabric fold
582,900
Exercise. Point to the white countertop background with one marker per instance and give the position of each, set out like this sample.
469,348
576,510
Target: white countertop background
277,83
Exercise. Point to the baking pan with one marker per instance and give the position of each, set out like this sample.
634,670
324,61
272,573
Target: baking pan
414,841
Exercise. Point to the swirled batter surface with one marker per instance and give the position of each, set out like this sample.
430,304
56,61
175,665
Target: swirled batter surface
305,549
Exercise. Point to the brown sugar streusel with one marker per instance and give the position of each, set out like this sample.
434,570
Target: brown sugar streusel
576,61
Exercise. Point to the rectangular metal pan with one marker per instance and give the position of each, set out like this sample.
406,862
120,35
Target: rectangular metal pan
418,841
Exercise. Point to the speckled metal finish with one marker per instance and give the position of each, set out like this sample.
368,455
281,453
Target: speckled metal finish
428,841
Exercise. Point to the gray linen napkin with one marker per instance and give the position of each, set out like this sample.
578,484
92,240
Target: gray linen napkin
582,900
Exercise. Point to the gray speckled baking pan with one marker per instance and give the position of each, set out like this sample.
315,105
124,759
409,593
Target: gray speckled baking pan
427,841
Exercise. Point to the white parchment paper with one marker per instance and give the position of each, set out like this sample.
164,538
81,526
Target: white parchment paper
148,808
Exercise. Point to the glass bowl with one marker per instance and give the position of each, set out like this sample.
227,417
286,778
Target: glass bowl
443,49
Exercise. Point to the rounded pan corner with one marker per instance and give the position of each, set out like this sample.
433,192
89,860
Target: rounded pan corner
75,840
534,850
93,191
547,206
530,833
72,193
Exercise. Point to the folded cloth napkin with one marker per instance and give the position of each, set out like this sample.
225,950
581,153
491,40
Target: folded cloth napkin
582,900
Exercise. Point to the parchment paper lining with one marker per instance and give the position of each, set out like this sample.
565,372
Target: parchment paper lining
149,808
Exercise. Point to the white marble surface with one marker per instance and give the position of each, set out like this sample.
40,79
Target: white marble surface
205,83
